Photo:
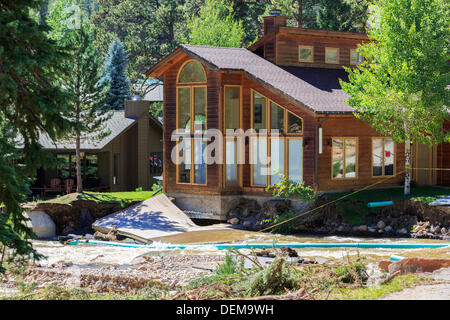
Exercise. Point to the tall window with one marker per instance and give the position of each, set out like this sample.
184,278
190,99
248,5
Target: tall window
282,150
232,121
191,119
344,158
383,157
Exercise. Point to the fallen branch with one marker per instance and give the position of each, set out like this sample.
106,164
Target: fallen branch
246,256
392,276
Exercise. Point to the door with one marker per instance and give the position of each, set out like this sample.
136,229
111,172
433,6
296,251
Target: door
424,158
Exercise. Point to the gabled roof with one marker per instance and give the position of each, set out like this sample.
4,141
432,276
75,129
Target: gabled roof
117,124
293,83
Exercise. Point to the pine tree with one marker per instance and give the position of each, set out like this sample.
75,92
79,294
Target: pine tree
115,76
30,102
88,95
342,15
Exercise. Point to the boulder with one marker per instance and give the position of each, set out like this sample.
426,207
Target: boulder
402,231
381,224
233,221
362,228
42,225
388,229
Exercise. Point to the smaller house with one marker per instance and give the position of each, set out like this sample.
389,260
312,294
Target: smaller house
128,158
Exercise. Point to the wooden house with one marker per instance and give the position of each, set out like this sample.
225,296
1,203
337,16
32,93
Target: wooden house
287,82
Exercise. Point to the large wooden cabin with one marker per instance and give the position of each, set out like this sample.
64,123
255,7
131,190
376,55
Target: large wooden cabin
287,81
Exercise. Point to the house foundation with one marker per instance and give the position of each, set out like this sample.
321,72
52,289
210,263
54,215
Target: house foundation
216,207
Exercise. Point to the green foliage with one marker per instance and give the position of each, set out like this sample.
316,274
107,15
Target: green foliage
284,228
156,109
215,26
30,102
400,88
115,77
230,266
138,189
288,188
148,29
352,273
342,15
275,279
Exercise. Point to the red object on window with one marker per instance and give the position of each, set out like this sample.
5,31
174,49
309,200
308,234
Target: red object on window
388,154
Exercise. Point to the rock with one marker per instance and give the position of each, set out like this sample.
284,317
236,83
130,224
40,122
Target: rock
42,225
403,231
362,228
372,229
388,229
289,251
233,221
248,224
89,236
381,224
245,212
443,230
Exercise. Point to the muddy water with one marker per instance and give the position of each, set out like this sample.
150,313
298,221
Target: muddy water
102,255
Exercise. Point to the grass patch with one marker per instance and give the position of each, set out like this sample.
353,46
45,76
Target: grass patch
372,293
123,199
422,194
356,212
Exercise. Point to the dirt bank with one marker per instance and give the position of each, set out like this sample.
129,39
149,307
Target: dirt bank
406,218
77,215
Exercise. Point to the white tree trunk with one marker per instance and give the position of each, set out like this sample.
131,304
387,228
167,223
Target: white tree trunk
78,165
407,188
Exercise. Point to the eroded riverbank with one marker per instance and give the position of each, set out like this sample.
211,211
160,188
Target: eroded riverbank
116,269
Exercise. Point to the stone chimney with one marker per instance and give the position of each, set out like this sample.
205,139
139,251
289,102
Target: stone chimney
274,20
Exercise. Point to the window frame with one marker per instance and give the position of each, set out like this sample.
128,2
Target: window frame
312,53
351,62
344,158
190,83
382,166
191,86
285,136
338,55
239,170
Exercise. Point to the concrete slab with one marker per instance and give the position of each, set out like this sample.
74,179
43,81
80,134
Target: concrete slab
155,219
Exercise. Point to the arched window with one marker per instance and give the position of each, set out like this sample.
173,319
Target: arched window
191,118
192,72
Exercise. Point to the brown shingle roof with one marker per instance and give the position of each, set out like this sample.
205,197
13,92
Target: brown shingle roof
294,82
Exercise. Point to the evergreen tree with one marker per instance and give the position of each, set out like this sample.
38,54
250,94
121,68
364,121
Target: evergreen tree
30,102
342,15
82,82
88,95
115,76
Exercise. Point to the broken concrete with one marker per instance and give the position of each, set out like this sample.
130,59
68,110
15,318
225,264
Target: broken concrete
155,219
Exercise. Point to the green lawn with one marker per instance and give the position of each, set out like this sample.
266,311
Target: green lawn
423,194
356,213
122,198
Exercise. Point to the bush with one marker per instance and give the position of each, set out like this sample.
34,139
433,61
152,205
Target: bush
287,188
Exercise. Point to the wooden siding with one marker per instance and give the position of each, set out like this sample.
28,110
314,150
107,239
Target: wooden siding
443,160
170,116
287,50
349,126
